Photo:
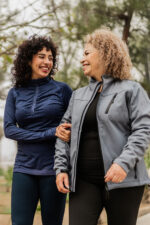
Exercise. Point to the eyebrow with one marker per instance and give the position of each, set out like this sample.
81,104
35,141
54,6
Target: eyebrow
42,54
86,51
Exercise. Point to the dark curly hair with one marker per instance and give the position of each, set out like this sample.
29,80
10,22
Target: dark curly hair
21,70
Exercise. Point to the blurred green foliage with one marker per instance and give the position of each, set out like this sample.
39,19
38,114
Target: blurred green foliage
146,85
1,172
8,177
147,158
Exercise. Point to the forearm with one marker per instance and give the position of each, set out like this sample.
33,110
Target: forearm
19,134
61,162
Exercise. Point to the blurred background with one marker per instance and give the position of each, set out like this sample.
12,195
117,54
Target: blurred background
67,22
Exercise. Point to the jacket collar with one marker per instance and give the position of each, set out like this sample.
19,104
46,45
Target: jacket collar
38,82
106,80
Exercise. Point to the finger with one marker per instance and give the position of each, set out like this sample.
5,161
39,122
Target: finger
120,180
64,136
119,169
61,136
60,185
110,171
65,132
109,175
62,189
108,178
60,129
66,182
66,125
115,179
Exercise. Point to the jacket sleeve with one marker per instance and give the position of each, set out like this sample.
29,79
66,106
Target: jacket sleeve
62,154
139,139
66,93
14,132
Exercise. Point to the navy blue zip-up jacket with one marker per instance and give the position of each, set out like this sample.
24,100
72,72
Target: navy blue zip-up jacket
31,116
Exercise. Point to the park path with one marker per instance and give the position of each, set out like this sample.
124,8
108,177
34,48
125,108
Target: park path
144,220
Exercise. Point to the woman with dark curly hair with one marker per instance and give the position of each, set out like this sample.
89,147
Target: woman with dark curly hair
34,108
110,132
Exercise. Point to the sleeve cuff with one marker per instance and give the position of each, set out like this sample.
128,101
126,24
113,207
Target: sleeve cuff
123,165
51,132
61,171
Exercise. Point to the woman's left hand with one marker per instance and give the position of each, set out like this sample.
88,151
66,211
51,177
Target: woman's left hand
115,174
63,131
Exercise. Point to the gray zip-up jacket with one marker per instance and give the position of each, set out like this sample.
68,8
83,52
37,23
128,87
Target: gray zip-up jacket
123,116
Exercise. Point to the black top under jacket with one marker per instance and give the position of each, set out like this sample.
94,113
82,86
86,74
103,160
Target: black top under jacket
90,160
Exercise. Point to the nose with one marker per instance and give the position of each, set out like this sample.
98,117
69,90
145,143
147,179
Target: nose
82,60
46,60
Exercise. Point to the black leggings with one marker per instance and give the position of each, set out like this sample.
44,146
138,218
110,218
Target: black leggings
121,205
27,190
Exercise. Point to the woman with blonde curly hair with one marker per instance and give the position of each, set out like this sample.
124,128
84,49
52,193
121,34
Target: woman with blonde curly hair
104,167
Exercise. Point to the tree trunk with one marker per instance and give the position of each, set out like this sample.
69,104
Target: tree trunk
127,24
147,67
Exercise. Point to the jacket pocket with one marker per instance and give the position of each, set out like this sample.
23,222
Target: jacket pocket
135,171
110,103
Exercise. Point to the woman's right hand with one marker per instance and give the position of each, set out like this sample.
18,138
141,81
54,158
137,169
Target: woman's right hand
62,182
63,131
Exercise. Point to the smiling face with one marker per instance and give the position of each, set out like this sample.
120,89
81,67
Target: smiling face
41,64
92,62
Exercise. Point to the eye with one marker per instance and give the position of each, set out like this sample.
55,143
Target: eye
41,56
50,59
86,53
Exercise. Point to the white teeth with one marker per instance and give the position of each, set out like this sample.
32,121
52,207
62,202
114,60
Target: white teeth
45,68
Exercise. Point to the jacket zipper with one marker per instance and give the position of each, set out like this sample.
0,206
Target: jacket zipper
35,98
111,102
79,132
106,185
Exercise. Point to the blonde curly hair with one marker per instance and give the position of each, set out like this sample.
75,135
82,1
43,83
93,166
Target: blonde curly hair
115,53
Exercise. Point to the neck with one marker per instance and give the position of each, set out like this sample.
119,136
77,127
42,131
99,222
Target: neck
98,78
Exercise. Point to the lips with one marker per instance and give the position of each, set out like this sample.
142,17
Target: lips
84,66
45,69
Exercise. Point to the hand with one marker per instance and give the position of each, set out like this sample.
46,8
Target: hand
62,132
62,182
115,174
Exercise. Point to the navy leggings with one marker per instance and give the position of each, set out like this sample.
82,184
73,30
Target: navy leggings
27,190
